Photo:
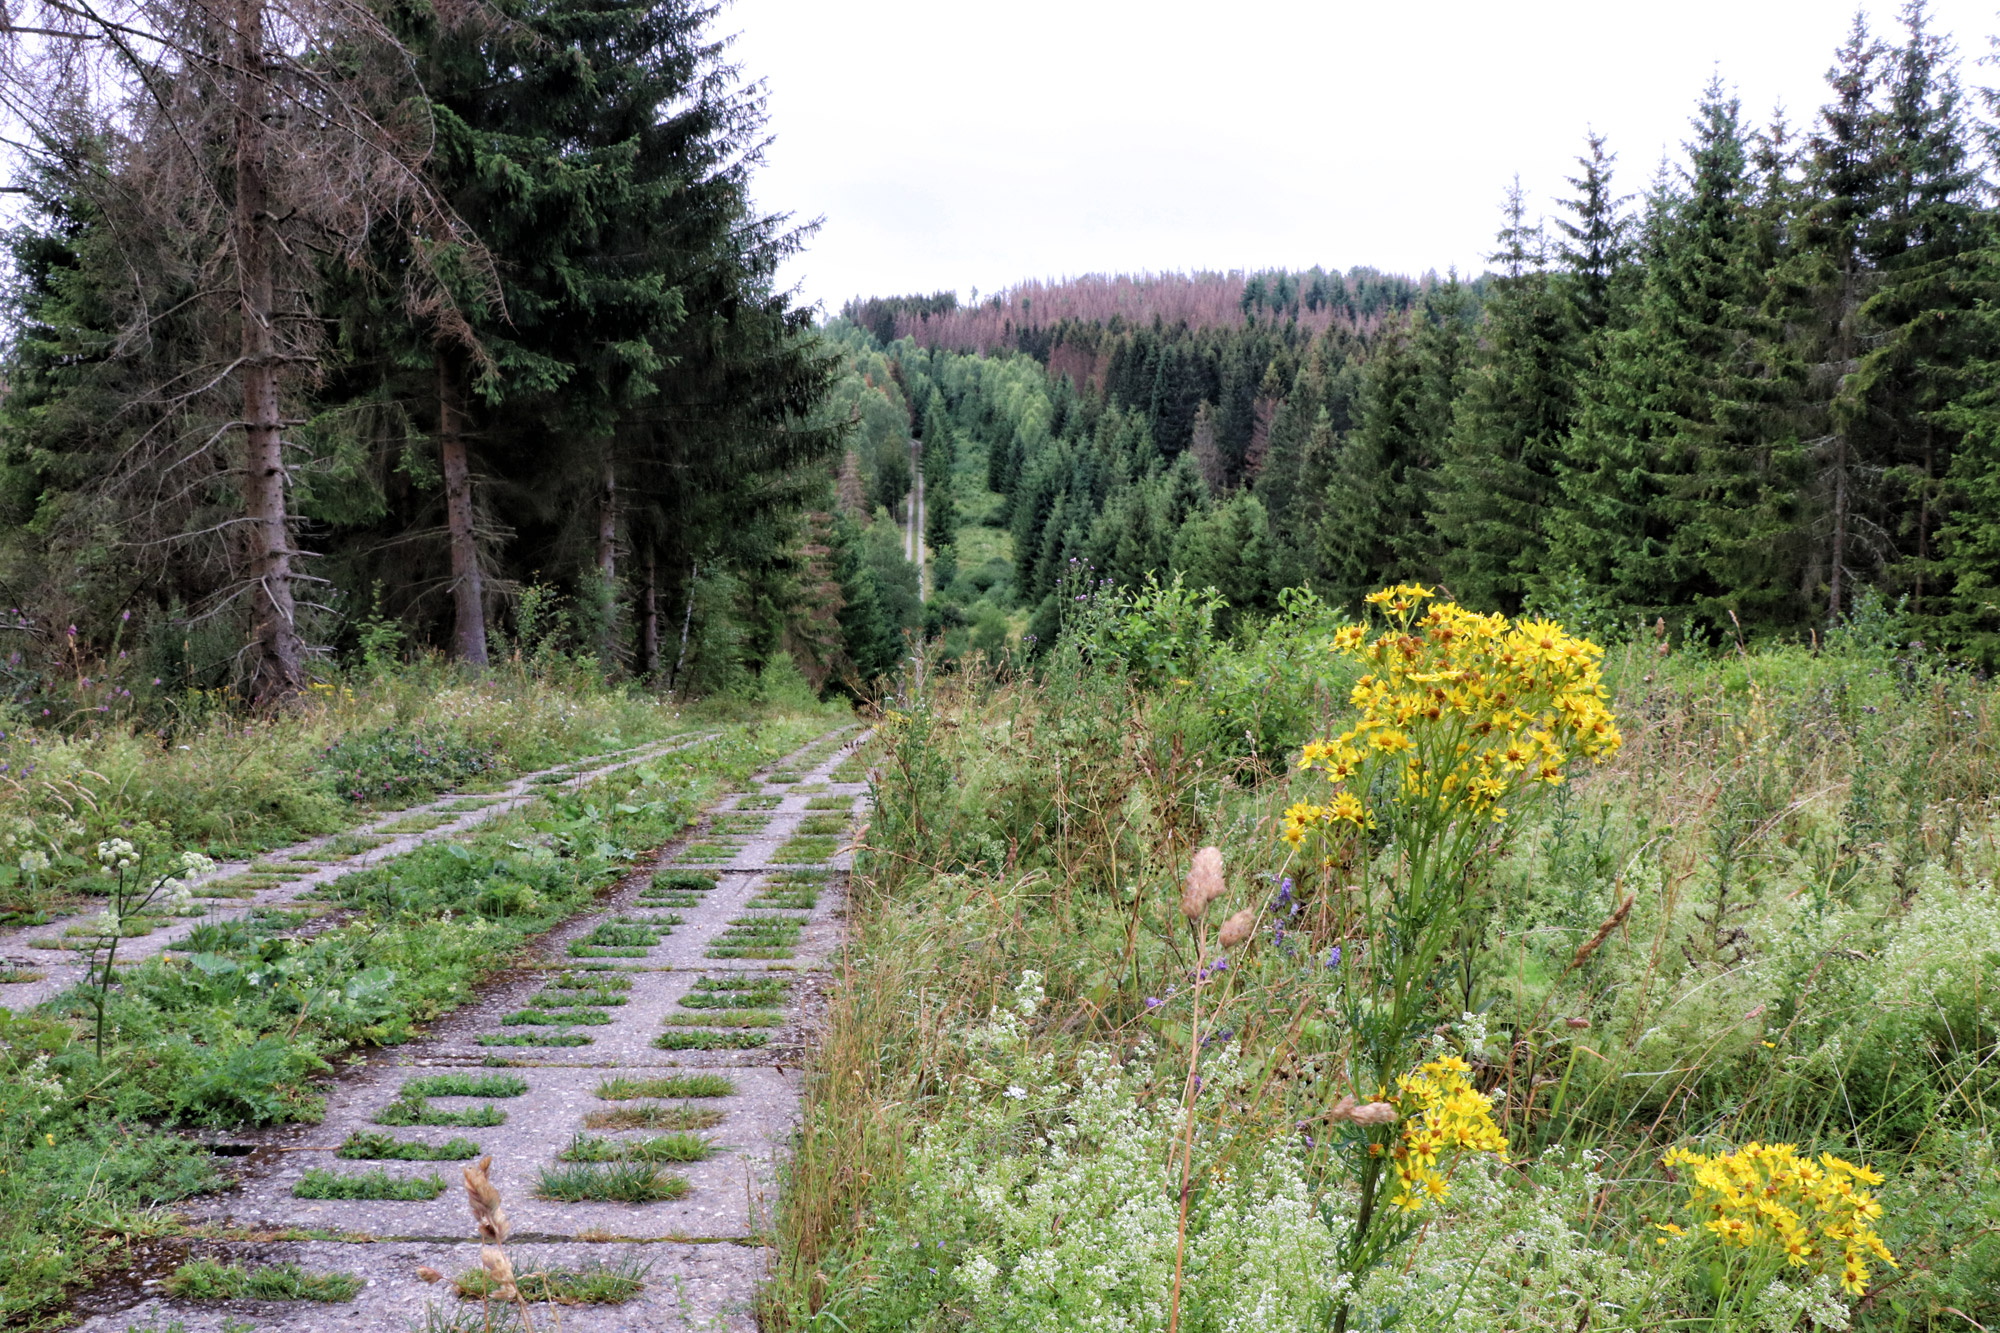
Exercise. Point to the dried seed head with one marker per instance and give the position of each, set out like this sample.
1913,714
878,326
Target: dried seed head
501,1270
1204,883
1237,928
1576,1024
484,1200
1374,1113
429,1274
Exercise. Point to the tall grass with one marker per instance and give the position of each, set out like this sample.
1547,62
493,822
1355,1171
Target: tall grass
1770,918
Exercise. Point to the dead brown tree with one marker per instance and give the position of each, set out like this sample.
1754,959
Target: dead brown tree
237,149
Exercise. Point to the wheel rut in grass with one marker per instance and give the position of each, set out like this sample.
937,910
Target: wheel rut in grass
49,957
634,1088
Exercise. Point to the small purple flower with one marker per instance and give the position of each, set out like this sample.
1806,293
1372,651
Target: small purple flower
1333,957
1154,1002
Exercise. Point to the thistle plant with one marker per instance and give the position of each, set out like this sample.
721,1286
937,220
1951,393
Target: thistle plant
1463,720
135,892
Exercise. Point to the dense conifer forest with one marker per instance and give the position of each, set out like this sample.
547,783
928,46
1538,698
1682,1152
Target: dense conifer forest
1744,393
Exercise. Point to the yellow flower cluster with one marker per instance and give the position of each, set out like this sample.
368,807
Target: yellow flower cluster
1770,1196
1471,708
1441,1111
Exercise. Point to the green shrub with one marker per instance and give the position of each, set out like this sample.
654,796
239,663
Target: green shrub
394,766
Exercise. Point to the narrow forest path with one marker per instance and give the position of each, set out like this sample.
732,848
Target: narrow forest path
654,1050
46,958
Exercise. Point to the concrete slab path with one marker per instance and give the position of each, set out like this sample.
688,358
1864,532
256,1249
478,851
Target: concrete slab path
666,979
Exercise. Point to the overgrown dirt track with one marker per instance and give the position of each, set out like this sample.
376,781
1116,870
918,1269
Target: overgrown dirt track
590,1062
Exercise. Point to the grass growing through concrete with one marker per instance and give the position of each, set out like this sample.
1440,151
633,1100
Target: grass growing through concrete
555,1018
466,1085
208,1280
365,1146
658,1148
728,1018
816,826
845,804
711,1041
757,937
760,802
595,1284
590,980
320,1183
610,1182
406,1111
671,1085
683,1117
532,1039
803,850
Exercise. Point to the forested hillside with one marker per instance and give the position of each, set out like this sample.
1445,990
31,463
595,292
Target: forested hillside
1742,397
373,329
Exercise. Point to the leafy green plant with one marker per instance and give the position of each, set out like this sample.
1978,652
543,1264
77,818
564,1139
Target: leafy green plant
394,766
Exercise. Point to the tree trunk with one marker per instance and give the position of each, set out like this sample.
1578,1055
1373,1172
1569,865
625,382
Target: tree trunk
607,558
649,621
467,592
278,670
607,525
686,621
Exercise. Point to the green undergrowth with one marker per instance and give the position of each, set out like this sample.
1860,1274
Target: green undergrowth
1771,918
241,1024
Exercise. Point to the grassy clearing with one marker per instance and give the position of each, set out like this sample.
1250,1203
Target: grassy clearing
659,1148
1767,920
320,1183
364,1146
684,1117
208,1280
594,1284
671,1085
610,1182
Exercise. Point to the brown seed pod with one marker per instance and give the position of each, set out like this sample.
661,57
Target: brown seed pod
1576,1024
1204,883
500,1269
484,1200
1237,928
1374,1113
429,1274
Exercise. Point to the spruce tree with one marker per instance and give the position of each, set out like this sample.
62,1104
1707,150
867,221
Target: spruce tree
1492,487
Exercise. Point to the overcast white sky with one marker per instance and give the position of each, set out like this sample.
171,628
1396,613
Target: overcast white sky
957,145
